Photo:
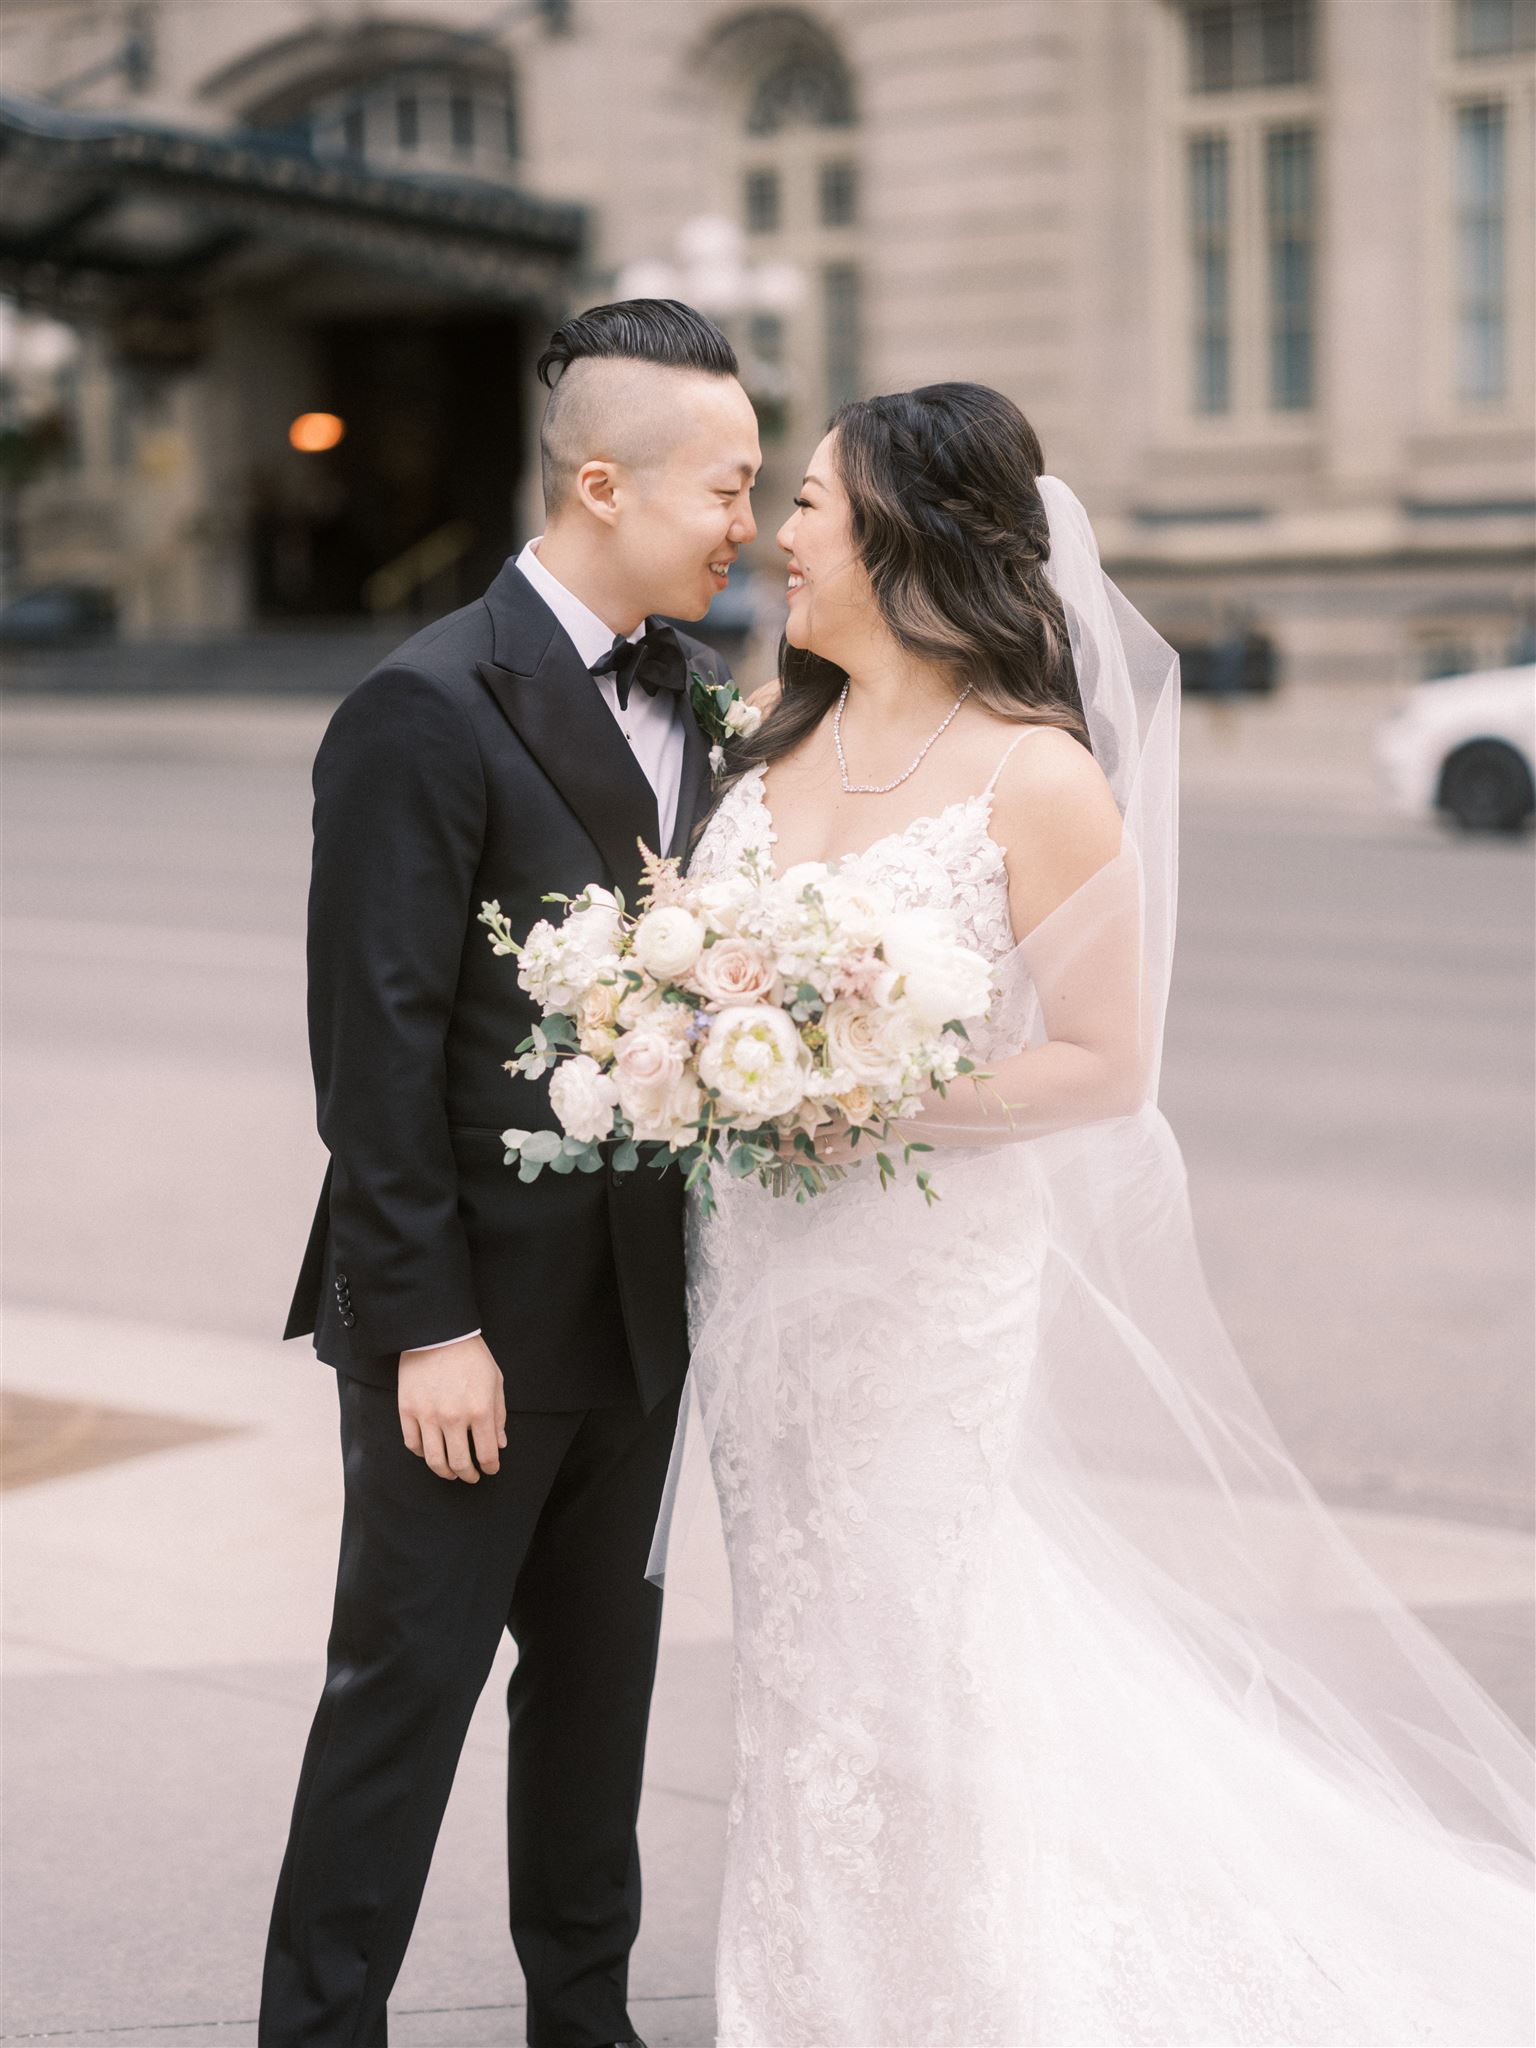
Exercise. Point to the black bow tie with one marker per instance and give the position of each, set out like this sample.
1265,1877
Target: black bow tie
655,661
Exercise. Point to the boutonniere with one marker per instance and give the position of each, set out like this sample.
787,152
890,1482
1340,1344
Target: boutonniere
723,713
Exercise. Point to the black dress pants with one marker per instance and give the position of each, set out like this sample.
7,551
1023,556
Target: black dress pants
552,1547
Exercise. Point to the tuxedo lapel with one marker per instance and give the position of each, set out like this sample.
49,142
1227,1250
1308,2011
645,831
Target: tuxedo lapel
693,793
557,711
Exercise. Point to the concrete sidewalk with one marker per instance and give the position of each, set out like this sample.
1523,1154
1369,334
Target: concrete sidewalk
165,1628
165,1622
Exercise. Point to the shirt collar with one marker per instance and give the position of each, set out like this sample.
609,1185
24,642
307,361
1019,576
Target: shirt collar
584,629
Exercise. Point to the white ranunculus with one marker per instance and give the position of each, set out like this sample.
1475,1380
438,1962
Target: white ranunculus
940,979
755,1059
583,1098
667,942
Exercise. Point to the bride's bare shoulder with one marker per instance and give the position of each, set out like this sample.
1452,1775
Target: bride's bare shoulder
1054,814
766,695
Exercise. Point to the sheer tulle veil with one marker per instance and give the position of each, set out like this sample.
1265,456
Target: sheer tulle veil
1145,1455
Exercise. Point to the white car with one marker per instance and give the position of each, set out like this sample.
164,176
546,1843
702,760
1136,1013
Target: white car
1466,747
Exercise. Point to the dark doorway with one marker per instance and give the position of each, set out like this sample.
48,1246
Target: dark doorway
429,463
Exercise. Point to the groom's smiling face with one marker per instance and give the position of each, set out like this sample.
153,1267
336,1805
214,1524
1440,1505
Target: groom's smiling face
658,464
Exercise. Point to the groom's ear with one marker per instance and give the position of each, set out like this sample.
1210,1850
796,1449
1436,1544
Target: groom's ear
595,484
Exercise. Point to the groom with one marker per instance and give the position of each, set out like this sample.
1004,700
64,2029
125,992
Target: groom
508,1355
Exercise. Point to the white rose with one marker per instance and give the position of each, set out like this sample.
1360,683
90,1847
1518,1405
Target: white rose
940,979
583,1098
721,902
668,941
743,719
754,1058
857,1105
651,1071
596,1015
859,1049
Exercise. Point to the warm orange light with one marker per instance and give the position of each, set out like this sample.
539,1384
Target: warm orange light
313,432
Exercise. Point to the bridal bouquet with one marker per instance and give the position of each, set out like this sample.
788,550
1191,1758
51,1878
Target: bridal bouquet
727,1020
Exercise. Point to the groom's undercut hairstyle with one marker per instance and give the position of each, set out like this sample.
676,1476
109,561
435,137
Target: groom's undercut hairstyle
604,395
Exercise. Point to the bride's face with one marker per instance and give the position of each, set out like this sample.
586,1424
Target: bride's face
831,605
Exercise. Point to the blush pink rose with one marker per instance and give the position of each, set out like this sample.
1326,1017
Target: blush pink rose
735,971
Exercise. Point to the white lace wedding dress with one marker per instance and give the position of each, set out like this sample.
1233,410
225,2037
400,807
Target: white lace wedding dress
973,1803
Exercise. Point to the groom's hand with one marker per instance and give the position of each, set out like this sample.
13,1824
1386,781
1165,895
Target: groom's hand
451,1398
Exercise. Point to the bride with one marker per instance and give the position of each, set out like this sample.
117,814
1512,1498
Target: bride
1064,1713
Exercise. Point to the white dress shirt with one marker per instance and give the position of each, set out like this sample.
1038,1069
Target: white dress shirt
652,725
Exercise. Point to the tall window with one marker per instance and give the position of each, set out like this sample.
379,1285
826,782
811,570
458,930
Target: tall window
840,298
1210,237
1248,149
839,194
1480,250
1289,207
762,201
1495,28
1237,44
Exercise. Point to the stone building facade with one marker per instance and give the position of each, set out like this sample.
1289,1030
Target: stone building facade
1260,271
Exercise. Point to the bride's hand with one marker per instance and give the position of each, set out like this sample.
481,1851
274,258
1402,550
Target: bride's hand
834,1143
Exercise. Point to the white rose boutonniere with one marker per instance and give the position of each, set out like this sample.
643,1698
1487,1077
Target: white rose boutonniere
723,713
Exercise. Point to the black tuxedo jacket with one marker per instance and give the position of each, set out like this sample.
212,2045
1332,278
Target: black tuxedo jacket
478,761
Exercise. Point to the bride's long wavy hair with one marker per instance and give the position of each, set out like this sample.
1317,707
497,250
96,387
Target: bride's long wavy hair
946,513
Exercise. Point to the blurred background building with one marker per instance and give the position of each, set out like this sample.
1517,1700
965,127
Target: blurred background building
1260,271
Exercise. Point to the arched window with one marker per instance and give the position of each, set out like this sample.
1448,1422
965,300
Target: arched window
401,95
432,119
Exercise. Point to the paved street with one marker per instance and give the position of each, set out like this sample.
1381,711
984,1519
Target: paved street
1349,1074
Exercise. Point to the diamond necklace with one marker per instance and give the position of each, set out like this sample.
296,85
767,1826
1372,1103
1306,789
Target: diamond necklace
880,788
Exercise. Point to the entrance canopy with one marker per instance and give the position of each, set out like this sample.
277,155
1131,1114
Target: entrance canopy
98,215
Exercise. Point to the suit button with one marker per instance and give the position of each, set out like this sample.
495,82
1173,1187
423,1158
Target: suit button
347,1319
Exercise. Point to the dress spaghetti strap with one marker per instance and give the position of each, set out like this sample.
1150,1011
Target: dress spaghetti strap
1007,753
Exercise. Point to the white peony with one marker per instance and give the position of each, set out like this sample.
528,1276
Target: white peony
805,874
667,942
754,1058
583,1097
940,979
858,911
